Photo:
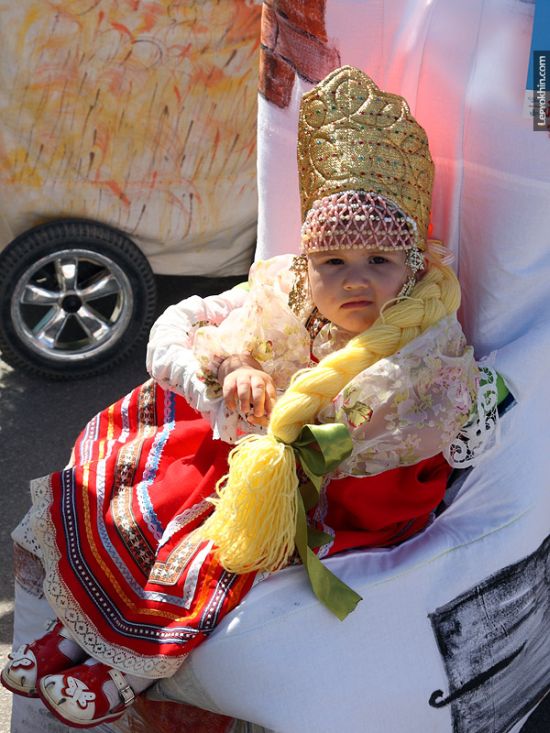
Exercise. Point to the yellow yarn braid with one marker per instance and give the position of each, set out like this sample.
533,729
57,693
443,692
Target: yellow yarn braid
254,522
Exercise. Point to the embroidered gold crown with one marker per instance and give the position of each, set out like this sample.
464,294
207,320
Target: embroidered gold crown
353,136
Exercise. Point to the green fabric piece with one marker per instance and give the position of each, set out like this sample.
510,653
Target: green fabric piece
335,595
320,448
310,494
316,538
502,389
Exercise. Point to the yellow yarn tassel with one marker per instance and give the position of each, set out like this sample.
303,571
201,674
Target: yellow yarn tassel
254,523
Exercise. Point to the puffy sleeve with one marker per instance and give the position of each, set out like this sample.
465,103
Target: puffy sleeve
190,340
170,360
409,406
264,327
173,364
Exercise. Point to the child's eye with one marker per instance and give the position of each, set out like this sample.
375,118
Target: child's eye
334,261
377,260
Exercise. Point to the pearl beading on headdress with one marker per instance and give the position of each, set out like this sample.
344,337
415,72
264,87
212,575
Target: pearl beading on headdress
357,220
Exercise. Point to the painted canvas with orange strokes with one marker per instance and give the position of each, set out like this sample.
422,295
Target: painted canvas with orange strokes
138,114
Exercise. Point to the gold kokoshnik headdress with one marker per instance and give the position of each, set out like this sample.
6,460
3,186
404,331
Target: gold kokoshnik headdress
365,168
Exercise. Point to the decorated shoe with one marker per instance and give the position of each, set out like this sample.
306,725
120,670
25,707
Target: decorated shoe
78,698
43,656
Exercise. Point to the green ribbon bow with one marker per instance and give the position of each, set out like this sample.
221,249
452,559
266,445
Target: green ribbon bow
320,448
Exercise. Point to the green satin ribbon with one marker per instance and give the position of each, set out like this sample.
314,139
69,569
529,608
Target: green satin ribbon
320,449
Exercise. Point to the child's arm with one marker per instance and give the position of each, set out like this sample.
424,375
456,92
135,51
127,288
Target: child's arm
170,359
228,354
246,389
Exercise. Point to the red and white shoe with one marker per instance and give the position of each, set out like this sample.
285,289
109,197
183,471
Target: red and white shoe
43,656
77,696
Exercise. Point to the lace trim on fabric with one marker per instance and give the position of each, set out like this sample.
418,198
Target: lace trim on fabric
23,535
357,220
190,585
480,434
182,520
68,609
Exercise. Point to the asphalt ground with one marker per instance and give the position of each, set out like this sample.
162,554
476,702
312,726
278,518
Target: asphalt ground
39,421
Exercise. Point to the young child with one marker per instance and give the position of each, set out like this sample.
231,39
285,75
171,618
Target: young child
342,372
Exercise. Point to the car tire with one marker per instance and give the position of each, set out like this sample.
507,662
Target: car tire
76,297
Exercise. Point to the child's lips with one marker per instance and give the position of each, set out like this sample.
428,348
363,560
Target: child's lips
359,303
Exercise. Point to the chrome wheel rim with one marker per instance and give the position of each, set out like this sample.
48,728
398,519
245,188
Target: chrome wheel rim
71,305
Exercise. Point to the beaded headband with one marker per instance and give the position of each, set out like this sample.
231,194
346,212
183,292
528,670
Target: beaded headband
357,220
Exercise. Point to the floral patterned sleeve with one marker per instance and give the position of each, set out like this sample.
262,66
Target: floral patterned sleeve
190,340
170,357
411,405
263,327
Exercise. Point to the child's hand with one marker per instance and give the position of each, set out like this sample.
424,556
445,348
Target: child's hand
247,389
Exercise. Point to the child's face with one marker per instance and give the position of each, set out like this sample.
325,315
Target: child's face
350,286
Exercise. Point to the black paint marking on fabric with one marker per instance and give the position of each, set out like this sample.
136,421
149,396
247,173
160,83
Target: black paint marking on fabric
495,646
435,697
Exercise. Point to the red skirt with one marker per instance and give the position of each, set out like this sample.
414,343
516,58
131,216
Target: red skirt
121,570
